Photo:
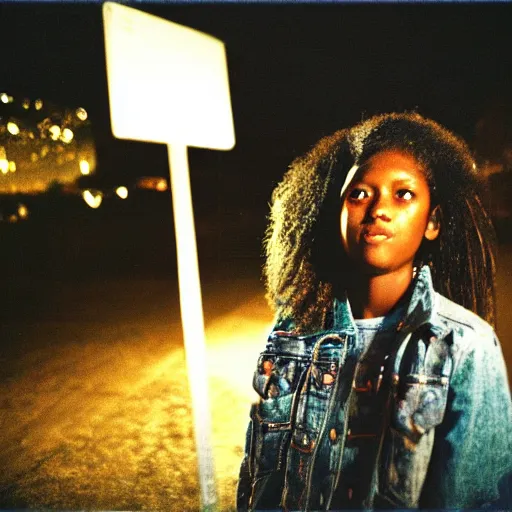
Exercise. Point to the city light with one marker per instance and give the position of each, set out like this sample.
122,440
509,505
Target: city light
93,199
54,132
81,113
122,192
43,143
85,168
152,183
161,185
67,135
22,211
13,128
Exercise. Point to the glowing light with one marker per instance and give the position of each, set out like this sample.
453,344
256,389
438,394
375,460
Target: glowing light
161,185
12,166
13,128
4,165
81,113
54,132
25,104
4,98
38,104
34,157
152,183
67,135
122,192
22,211
92,199
85,168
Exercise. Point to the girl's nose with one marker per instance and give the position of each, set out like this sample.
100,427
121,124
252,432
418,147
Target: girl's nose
379,209
381,214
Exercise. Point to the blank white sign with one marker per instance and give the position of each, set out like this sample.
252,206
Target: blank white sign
167,83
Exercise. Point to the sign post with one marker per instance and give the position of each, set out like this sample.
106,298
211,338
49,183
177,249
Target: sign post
169,84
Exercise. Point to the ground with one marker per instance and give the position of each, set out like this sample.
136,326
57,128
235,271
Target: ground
94,401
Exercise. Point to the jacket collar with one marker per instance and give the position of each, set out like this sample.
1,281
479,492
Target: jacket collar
420,309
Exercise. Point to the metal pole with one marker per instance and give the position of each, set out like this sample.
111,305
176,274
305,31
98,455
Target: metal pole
192,319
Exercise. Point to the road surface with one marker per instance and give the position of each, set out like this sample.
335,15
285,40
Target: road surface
94,401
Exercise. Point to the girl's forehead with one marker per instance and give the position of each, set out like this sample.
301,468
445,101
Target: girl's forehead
387,164
391,160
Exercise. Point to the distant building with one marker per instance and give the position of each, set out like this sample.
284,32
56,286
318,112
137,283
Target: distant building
41,143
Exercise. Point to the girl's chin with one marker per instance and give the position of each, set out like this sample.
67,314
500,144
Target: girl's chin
377,267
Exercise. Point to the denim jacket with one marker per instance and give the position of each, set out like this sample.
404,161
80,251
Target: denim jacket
424,423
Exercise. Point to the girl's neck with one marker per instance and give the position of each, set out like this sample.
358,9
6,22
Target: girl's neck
372,296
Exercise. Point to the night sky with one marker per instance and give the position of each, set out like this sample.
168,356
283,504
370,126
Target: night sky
297,72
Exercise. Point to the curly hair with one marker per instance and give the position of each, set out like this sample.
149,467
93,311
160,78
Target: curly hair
305,261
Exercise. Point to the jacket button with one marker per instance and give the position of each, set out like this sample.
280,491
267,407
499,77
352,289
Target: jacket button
333,435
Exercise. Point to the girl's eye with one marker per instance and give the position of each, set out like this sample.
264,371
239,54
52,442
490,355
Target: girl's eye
405,194
358,194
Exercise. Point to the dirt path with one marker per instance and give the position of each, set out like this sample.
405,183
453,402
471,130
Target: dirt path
97,414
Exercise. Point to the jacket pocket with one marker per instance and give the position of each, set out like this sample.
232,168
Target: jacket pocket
277,375
418,403
328,358
294,378
279,371
409,442
271,437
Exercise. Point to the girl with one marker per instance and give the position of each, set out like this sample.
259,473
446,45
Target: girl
380,386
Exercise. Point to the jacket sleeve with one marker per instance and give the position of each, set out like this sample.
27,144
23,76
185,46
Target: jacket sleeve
471,463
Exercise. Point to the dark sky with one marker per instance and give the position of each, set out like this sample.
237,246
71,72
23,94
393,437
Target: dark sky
297,72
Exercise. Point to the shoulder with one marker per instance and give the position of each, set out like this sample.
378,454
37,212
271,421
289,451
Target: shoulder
457,317
471,335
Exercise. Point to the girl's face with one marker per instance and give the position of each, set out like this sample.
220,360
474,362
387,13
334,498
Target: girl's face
385,213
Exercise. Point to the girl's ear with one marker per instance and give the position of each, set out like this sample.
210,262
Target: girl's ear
434,224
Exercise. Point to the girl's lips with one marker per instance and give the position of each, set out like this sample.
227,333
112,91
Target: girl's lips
376,234
374,239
